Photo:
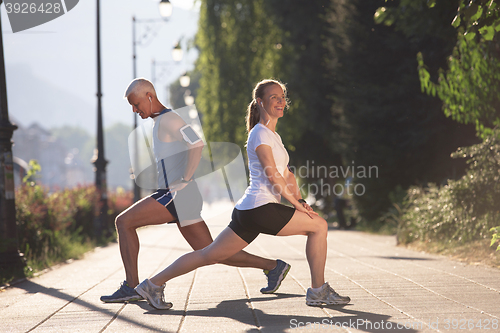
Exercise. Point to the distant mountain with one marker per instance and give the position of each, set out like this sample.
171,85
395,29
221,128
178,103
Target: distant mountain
33,99
51,69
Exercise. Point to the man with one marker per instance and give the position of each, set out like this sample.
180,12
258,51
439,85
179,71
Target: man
177,151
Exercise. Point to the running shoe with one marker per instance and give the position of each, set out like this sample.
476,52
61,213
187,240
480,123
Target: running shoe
122,295
326,295
275,276
154,295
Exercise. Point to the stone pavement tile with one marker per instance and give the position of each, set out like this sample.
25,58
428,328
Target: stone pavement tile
37,301
276,311
374,245
461,322
276,317
30,311
387,284
218,302
461,291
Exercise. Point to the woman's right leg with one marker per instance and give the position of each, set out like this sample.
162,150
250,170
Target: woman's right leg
223,247
316,230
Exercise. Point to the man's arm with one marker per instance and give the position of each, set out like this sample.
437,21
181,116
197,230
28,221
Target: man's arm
171,129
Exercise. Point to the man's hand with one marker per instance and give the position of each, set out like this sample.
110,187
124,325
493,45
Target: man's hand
177,185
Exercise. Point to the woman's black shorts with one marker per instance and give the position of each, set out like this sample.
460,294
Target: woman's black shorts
268,219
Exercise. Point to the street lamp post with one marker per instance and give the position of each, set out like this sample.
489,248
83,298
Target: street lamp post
165,8
98,160
164,68
10,257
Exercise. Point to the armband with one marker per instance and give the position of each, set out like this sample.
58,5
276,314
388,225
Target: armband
189,135
302,201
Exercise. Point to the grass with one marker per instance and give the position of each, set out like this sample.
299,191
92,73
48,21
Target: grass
478,252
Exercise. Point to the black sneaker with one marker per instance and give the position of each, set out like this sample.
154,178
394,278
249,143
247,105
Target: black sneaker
275,276
122,295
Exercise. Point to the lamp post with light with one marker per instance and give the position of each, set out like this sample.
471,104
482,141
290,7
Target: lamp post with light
185,80
165,8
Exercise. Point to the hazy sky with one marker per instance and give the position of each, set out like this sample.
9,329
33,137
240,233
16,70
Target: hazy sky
51,69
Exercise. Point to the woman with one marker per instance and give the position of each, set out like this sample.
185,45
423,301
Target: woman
259,210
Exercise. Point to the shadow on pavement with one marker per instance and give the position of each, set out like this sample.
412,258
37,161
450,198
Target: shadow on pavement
405,258
232,309
34,288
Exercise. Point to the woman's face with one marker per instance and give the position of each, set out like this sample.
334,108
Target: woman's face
274,100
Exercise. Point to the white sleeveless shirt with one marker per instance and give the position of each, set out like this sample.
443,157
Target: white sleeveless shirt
171,157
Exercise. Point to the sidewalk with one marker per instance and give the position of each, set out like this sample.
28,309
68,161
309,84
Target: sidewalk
390,288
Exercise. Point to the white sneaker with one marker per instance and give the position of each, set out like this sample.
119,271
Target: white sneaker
154,295
326,295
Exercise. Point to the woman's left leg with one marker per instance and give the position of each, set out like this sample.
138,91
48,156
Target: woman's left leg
198,236
316,230
223,247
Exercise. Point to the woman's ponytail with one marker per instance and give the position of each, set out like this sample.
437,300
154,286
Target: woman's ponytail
253,115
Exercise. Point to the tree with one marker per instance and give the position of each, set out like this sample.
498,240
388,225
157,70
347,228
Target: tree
234,55
384,119
242,43
470,87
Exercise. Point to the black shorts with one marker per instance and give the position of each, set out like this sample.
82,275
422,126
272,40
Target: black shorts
267,219
184,205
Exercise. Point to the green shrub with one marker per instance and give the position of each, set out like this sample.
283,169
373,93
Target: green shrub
463,210
495,237
54,227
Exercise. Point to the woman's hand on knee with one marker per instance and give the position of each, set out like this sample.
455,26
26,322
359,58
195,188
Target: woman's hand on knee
308,210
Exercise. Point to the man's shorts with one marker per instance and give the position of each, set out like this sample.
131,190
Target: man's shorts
184,205
267,219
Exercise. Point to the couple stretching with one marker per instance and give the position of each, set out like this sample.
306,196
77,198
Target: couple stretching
258,211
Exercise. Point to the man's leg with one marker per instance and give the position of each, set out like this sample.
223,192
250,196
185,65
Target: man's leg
144,212
198,236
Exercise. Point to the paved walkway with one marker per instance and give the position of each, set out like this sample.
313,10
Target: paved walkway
391,288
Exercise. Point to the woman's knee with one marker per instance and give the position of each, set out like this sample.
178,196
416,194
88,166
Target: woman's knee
320,225
211,257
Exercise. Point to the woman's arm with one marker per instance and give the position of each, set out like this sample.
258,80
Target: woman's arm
279,183
292,183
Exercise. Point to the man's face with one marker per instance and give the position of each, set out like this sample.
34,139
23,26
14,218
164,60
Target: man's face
140,104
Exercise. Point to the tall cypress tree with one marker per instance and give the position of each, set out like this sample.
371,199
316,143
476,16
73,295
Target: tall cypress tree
242,43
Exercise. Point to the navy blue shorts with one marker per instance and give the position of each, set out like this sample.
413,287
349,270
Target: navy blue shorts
267,219
184,205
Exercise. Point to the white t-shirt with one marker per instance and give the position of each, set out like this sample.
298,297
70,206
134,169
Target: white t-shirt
260,191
